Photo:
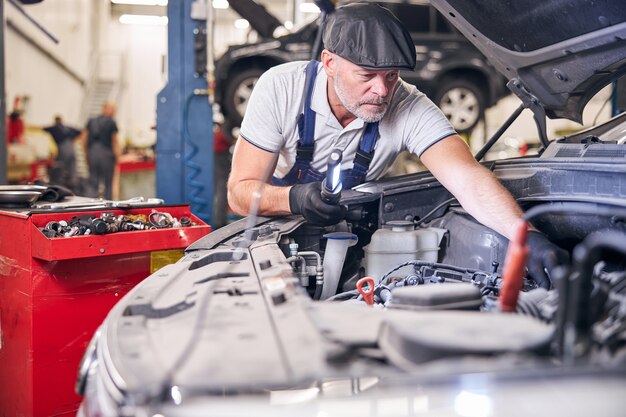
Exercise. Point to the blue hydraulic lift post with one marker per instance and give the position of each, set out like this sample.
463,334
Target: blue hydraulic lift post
184,128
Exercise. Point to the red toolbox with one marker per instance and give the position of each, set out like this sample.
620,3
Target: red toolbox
54,293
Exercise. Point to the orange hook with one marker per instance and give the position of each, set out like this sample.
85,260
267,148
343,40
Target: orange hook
367,293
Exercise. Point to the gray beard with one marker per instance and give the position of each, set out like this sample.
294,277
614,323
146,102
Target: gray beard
356,109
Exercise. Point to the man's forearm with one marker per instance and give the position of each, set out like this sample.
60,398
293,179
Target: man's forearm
273,200
476,188
116,146
490,203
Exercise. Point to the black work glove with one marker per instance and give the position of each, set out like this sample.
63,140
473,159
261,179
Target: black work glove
54,192
543,257
306,199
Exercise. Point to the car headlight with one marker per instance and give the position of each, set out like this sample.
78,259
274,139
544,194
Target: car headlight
85,363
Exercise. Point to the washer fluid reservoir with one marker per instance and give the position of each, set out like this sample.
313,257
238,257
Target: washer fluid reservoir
399,242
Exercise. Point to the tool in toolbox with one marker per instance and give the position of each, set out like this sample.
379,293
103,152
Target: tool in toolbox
109,222
101,203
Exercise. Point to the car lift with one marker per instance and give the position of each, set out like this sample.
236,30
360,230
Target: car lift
184,148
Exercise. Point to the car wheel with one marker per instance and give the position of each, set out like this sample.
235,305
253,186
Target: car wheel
463,103
238,93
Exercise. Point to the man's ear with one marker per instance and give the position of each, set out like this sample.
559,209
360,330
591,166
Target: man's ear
329,61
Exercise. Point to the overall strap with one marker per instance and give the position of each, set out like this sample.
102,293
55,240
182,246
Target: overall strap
306,120
299,173
365,153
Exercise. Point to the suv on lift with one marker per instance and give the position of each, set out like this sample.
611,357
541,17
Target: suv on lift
449,70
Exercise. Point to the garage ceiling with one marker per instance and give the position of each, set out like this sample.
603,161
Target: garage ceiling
282,9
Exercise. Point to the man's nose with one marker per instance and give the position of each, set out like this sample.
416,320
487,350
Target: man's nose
380,86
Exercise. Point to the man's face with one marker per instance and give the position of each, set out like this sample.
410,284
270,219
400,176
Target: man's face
365,93
108,109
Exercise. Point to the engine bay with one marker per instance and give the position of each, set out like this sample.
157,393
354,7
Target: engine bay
446,261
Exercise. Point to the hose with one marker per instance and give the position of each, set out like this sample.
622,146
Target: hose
529,303
318,291
343,296
319,271
197,202
593,209
578,320
303,273
429,264
426,217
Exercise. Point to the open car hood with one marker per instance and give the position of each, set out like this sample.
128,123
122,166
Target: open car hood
257,15
557,54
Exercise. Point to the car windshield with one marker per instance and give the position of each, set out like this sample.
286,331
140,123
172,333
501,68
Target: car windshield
616,130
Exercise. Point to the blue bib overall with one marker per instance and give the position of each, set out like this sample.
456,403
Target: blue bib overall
302,172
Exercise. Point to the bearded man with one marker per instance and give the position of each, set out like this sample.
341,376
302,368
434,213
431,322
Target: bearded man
354,100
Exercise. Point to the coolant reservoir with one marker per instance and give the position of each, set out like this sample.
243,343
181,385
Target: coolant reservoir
390,247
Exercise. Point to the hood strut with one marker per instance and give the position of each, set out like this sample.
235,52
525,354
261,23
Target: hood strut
481,153
531,102
528,102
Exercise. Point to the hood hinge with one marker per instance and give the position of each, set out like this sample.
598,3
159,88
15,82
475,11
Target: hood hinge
531,102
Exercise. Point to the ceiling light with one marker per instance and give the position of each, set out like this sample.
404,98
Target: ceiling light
309,8
141,19
141,2
220,4
242,24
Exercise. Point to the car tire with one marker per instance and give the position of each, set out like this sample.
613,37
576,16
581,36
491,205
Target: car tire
463,103
237,94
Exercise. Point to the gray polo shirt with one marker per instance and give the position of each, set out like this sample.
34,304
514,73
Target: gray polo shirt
412,122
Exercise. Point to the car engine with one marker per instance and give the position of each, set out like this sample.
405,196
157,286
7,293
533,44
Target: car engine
447,261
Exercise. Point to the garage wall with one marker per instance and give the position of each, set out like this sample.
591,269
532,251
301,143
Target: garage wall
51,75
144,49
55,76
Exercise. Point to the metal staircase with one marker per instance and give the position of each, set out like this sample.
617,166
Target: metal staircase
106,82
100,93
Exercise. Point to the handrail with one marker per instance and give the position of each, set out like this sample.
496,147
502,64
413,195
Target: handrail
96,76
73,74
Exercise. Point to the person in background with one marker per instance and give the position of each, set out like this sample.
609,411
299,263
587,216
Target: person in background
103,149
15,128
65,164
